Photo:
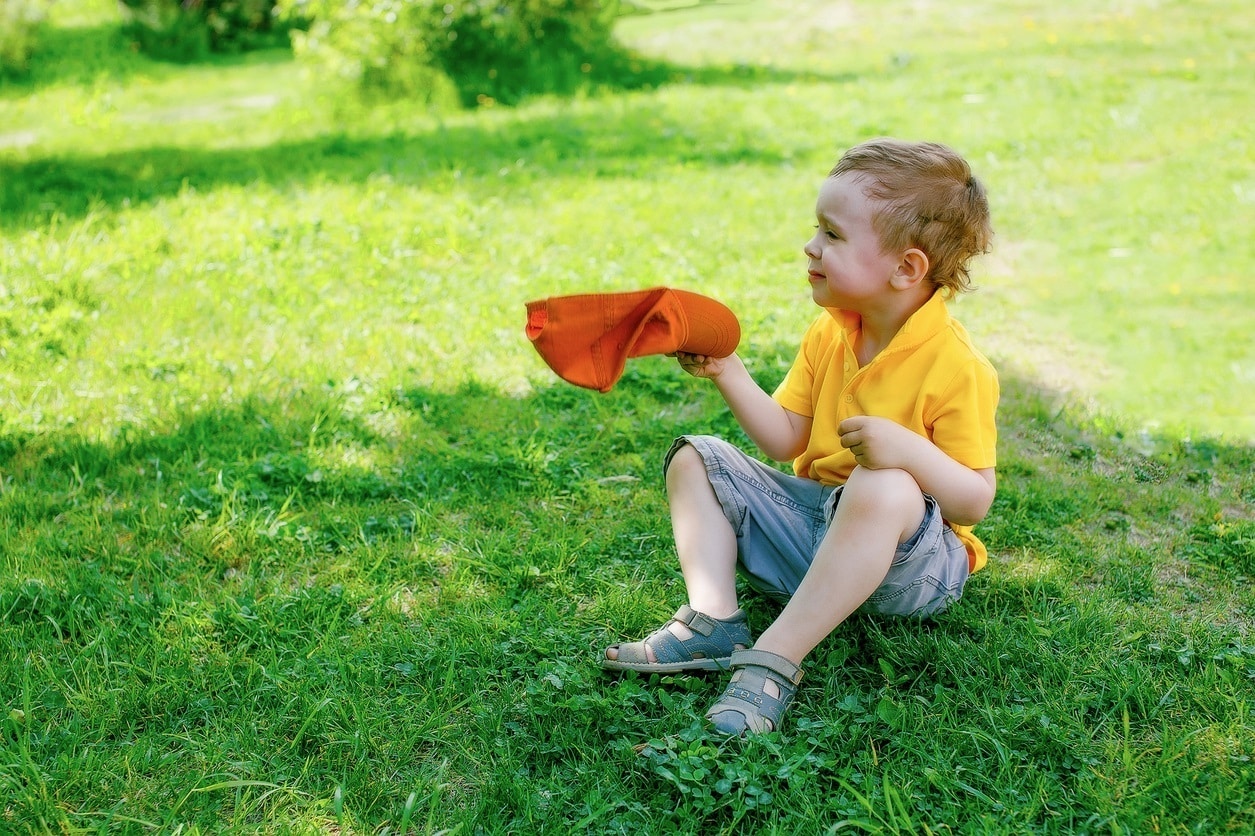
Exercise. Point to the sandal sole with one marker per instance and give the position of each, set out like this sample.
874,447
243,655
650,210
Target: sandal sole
694,666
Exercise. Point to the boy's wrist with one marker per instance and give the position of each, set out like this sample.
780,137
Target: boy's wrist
728,369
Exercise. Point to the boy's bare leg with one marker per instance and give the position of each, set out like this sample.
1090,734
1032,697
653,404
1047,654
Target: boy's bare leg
704,541
879,509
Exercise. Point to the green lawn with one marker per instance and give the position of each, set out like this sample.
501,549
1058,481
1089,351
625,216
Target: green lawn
298,534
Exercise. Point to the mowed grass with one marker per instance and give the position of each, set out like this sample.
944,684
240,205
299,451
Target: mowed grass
299,535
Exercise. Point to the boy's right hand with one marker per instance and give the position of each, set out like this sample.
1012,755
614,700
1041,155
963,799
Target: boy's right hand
699,365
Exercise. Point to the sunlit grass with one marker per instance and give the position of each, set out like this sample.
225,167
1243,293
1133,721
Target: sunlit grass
297,534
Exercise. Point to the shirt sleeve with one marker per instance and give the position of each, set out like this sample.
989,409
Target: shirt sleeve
796,392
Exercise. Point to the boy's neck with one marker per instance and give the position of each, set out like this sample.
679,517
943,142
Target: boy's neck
880,325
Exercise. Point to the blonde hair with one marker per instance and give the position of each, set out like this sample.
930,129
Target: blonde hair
928,199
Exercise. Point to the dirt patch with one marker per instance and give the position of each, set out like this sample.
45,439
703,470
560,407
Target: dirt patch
18,139
206,111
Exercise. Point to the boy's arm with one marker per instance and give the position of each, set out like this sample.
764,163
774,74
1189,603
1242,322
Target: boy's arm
964,494
776,431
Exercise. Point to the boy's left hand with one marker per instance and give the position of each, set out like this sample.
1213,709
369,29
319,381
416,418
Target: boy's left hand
877,443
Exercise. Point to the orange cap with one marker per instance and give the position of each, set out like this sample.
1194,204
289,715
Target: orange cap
587,339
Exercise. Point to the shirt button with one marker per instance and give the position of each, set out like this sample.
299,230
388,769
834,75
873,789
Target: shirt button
849,399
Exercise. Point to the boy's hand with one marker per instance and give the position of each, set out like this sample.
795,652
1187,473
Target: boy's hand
699,365
877,442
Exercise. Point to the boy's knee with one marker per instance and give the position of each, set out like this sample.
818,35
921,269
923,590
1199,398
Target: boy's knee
684,464
889,494
888,485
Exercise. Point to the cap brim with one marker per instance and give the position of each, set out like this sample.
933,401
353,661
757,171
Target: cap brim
713,330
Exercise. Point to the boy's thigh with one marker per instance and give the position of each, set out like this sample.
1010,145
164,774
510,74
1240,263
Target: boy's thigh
928,571
778,518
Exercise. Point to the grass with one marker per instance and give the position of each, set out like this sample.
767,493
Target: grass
298,535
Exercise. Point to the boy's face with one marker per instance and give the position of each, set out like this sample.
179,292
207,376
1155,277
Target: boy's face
847,267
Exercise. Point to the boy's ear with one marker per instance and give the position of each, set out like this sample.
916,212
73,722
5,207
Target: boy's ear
912,269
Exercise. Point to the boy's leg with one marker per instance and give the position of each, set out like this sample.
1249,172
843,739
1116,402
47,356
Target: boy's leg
878,510
730,512
704,541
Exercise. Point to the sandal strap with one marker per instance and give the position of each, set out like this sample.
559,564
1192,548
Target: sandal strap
670,648
771,661
698,622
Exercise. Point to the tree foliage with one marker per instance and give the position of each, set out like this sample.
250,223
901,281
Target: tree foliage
482,51
179,30
20,21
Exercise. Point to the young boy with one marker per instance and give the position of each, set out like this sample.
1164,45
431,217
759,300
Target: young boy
888,416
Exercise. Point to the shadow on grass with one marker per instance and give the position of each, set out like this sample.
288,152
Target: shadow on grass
105,54
634,138
1067,499
281,604
79,55
479,450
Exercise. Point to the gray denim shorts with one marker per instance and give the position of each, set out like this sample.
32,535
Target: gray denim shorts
779,520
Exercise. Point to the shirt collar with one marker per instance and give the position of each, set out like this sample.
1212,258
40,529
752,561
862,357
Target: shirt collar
928,320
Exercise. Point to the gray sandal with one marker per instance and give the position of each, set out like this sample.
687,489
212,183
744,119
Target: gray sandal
746,706
710,648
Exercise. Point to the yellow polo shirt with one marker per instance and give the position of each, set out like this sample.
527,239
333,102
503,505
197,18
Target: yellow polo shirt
930,379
